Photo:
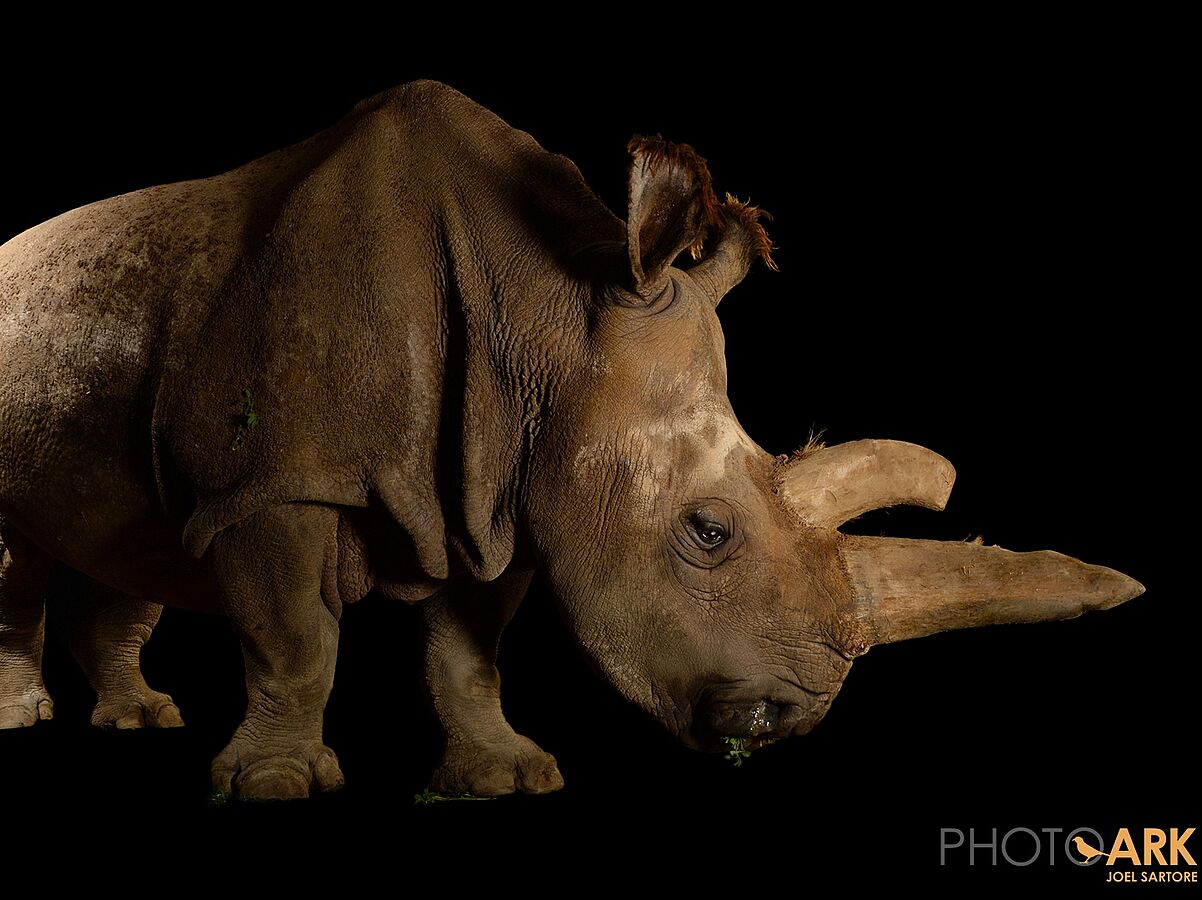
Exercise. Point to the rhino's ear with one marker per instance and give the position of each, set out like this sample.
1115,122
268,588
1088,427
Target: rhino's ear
670,204
742,240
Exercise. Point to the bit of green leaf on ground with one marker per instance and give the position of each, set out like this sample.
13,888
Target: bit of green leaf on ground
218,799
428,796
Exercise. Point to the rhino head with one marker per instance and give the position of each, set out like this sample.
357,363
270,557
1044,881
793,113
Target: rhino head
706,578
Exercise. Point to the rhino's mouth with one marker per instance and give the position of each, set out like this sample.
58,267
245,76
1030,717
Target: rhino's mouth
754,718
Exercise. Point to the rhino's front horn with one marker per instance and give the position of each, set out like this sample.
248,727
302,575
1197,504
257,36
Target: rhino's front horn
833,485
906,588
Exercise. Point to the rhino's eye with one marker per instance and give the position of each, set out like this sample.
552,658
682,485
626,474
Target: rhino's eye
706,533
709,534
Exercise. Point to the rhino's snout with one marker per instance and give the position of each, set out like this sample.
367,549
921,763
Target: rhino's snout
750,718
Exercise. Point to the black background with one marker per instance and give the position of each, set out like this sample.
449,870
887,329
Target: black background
974,247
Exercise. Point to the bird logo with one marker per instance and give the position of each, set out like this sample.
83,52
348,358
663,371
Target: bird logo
1087,851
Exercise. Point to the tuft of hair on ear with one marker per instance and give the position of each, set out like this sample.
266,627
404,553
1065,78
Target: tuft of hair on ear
656,152
749,217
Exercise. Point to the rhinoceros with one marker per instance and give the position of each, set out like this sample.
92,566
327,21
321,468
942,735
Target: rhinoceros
416,355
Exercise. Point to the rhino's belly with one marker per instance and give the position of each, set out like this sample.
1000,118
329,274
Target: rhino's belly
140,558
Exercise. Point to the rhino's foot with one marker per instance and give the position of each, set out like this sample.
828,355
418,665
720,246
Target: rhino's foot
249,774
149,709
26,709
490,770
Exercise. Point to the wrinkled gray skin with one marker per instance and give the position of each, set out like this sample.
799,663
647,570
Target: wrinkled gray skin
464,368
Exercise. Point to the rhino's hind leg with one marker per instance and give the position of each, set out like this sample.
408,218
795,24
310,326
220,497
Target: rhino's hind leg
108,630
24,574
483,756
269,570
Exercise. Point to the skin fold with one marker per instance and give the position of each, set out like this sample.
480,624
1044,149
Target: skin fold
415,354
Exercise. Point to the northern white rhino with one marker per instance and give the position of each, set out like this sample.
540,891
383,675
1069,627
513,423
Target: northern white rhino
434,363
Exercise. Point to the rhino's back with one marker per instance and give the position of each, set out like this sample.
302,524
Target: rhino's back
93,288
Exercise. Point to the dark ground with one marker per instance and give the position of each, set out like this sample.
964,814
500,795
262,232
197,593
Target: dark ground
974,256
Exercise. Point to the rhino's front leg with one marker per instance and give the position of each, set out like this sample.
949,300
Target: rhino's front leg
484,756
269,570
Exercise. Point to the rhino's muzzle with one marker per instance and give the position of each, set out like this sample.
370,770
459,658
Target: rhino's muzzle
762,718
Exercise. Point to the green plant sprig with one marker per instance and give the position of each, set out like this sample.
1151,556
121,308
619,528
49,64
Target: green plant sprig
428,796
248,419
740,750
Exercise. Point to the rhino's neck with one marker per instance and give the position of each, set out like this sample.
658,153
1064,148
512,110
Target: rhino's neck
510,228
514,320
